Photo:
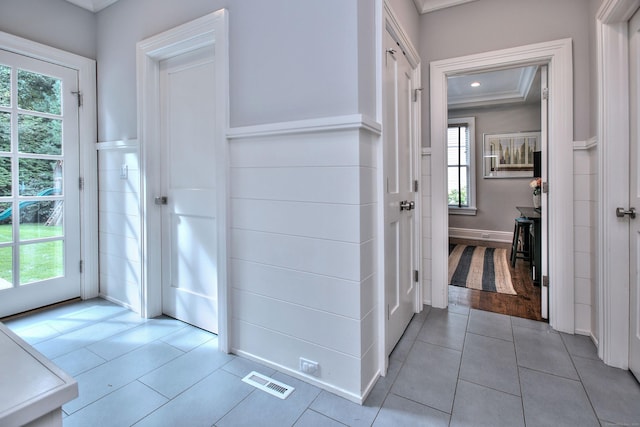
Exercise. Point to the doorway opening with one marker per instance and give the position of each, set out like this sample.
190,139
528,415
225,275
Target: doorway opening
48,236
558,56
494,174
175,209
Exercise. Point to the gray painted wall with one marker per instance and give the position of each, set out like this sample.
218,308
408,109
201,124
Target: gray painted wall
488,25
288,60
55,23
498,198
409,19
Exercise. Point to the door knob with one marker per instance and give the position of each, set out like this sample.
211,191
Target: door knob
620,212
406,205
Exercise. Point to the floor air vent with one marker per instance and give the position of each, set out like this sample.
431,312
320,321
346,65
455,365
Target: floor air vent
269,385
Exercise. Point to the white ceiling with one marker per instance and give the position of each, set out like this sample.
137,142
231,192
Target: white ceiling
93,5
515,85
426,6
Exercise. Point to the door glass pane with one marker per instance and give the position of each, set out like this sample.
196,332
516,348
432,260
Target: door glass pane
38,135
5,131
40,219
39,177
5,86
41,261
6,268
6,229
37,92
5,176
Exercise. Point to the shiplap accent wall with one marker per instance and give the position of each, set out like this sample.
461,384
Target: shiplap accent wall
426,226
119,222
303,251
585,167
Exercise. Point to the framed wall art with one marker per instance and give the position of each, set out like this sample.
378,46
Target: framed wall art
510,155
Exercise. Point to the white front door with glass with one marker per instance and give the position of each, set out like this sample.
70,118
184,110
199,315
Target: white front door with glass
39,194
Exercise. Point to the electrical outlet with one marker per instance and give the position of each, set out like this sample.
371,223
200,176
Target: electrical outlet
485,235
309,367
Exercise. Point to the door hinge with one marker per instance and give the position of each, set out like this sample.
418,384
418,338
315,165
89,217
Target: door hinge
81,266
545,187
415,186
387,311
545,281
416,276
79,95
81,183
545,93
416,93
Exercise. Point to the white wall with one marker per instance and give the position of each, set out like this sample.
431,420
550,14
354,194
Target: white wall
55,23
303,236
119,223
585,234
426,225
303,206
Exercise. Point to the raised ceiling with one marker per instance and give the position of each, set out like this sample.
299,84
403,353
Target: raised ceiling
514,85
93,5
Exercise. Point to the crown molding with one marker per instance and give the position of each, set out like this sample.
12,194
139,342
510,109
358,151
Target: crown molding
93,5
426,6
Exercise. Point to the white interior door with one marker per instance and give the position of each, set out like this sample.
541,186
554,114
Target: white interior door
189,223
400,284
634,195
39,194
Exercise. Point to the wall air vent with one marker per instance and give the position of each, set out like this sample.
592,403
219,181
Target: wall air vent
269,385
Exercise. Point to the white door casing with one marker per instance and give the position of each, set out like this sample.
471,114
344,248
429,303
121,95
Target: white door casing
634,194
189,258
400,172
87,217
544,220
558,55
57,243
209,30
613,317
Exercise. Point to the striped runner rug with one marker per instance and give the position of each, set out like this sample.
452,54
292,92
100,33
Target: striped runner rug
481,268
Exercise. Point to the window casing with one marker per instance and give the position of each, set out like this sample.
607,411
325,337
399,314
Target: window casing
461,167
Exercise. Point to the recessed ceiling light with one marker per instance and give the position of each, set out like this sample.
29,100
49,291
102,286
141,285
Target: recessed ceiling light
475,84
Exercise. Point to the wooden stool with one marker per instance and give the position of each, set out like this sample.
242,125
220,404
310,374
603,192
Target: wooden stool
522,227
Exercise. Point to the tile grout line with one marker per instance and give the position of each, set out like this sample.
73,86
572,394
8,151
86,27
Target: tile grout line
579,377
515,353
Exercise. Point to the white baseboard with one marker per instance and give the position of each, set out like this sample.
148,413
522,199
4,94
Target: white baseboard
485,235
306,378
119,302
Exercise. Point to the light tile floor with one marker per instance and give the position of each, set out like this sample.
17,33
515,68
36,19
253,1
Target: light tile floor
455,367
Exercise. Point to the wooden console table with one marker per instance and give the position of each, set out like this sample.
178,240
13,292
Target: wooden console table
32,388
536,263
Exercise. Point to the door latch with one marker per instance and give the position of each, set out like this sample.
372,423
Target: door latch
620,212
162,200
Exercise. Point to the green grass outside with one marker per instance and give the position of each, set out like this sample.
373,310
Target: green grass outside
38,261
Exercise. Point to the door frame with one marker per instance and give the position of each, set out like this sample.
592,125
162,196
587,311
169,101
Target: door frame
558,56
87,139
613,180
389,22
211,29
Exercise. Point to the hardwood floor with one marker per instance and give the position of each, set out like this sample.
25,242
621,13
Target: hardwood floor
526,304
